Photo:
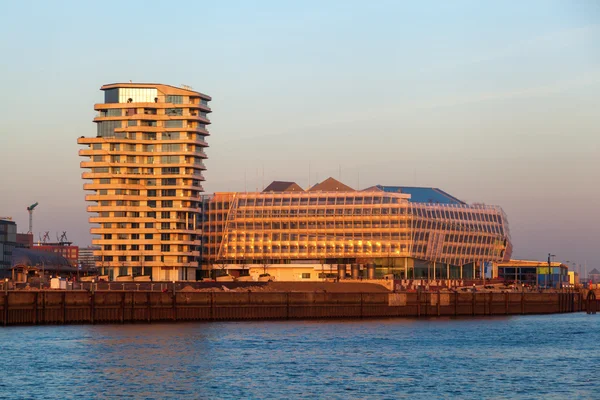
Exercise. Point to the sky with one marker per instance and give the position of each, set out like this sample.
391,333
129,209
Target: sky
493,102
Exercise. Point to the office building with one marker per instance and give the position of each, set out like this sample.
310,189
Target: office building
8,242
293,234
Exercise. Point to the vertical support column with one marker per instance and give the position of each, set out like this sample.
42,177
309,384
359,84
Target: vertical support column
361,305
123,307
522,303
43,319
405,268
461,272
148,308
212,306
434,268
132,316
5,307
174,303
474,270
448,271
35,308
485,304
455,294
93,308
64,304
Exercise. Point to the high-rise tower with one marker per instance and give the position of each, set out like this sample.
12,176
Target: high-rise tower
145,171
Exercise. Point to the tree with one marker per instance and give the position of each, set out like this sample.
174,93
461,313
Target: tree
221,268
244,268
265,266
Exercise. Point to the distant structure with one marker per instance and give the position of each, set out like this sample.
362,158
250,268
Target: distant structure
30,210
8,242
410,232
87,259
144,173
62,246
534,273
594,276
25,240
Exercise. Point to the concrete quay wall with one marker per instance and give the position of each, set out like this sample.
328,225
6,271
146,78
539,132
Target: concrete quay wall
83,307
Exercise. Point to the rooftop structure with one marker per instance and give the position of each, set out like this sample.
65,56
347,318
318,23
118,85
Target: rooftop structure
423,194
279,186
144,171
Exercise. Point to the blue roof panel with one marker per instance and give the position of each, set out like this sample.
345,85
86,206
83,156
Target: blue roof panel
423,195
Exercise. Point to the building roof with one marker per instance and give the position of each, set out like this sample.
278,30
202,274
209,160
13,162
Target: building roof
281,186
171,88
530,263
41,259
423,194
331,185
594,272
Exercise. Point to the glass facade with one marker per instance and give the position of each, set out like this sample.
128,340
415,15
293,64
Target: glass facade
533,273
8,241
350,227
107,128
130,95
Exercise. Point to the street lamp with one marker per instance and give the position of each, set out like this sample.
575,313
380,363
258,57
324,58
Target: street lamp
550,256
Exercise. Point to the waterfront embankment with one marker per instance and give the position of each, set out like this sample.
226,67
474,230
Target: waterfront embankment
96,307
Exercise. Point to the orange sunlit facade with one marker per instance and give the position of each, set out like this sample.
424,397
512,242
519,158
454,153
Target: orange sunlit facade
397,232
144,174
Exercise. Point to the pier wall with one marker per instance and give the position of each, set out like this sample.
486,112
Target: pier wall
83,307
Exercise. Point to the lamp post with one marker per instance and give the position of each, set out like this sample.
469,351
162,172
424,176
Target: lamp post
550,256
560,275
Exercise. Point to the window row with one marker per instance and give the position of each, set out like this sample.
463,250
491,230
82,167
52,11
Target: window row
315,225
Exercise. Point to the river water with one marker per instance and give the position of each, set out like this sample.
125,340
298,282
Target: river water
547,356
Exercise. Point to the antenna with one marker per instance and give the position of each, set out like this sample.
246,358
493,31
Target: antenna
309,174
340,172
263,176
358,180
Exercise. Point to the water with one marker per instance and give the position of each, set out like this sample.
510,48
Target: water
553,356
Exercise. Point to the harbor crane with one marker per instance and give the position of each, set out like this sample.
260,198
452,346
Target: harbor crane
30,209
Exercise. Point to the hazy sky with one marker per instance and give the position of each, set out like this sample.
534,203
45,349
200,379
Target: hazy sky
493,102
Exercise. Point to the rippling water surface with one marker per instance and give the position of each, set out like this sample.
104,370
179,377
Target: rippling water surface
554,356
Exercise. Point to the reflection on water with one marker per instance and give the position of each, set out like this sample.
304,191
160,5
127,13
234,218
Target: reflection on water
513,357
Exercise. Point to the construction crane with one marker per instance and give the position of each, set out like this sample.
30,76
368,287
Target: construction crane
30,209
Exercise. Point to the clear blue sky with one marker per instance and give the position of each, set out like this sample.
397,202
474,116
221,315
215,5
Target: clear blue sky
492,102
